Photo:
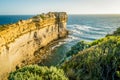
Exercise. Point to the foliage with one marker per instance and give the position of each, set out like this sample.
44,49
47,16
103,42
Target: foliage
115,33
34,72
35,17
3,27
77,47
42,16
99,62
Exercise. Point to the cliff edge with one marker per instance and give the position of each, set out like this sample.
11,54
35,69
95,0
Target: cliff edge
21,40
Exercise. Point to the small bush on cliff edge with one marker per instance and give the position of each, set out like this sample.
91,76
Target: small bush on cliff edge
35,72
77,47
115,33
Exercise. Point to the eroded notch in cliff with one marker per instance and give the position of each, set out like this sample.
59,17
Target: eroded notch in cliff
36,38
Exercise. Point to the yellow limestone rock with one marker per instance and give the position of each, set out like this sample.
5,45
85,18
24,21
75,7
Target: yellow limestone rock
21,40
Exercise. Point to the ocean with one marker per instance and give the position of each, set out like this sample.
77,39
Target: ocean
8,19
81,27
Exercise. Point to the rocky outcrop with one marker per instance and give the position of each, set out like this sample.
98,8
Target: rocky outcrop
21,40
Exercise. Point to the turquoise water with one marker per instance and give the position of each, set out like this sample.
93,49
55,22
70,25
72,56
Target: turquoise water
81,27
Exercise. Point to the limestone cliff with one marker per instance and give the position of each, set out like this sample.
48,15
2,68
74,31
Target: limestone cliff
21,40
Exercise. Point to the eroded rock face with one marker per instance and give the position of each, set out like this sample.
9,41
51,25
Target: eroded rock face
21,40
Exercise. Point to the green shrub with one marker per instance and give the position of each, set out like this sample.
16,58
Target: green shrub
34,72
115,33
99,62
77,47
42,16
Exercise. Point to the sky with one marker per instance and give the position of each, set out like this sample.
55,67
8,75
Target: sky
69,6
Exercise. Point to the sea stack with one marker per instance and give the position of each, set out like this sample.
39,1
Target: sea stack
21,40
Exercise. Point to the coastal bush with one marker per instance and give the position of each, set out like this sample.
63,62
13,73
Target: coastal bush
35,72
77,47
5,26
115,33
2,27
42,16
99,62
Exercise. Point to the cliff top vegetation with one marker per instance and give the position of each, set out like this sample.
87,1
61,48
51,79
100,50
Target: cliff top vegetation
100,60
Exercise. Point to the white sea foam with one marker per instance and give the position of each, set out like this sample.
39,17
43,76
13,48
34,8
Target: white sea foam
73,37
59,44
82,27
76,32
84,32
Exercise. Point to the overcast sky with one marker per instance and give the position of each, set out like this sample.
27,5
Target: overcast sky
69,6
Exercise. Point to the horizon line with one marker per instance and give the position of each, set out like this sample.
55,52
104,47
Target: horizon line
72,14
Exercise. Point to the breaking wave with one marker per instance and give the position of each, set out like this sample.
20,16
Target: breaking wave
87,33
